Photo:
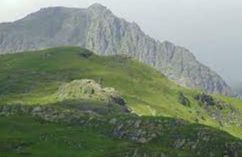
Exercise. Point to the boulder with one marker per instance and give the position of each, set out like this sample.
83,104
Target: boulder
205,99
183,99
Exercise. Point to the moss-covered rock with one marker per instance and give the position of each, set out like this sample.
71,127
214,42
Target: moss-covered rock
205,99
183,99
89,89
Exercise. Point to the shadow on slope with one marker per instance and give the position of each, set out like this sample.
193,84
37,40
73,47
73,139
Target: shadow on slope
123,135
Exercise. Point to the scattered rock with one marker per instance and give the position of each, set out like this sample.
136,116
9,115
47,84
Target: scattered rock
137,124
179,143
205,99
86,54
36,109
183,99
142,140
219,110
113,121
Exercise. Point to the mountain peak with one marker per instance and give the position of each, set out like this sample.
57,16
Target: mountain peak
99,30
97,6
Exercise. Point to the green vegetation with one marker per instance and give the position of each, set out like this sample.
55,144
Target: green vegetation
37,138
52,77
23,136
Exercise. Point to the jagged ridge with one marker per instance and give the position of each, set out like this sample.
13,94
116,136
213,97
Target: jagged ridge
97,29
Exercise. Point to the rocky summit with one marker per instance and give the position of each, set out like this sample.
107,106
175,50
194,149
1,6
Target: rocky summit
97,29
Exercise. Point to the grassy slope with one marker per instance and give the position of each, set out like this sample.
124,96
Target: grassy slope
62,140
33,78
50,140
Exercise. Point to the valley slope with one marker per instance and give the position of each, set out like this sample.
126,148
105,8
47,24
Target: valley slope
42,77
70,102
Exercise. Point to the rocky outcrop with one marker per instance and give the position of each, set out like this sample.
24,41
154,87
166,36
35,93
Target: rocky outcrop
88,95
89,89
205,99
78,97
182,99
221,111
97,29
173,134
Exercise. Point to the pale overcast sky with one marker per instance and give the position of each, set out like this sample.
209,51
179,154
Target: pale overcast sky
211,29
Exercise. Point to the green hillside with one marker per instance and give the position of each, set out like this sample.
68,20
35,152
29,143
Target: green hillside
38,138
52,78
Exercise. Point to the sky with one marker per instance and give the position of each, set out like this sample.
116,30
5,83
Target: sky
211,29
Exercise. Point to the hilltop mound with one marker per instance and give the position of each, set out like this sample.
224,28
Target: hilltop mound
89,89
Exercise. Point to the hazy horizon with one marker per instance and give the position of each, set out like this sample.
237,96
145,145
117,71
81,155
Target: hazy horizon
211,30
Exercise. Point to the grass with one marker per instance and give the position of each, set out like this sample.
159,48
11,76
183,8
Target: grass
24,136
32,78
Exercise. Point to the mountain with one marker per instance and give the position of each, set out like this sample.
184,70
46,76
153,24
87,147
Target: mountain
68,101
97,29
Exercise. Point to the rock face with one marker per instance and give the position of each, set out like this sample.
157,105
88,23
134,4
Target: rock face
97,29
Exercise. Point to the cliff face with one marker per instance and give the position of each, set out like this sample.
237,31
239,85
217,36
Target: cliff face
97,29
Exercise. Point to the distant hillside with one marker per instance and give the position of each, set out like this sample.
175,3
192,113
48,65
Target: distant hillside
97,29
